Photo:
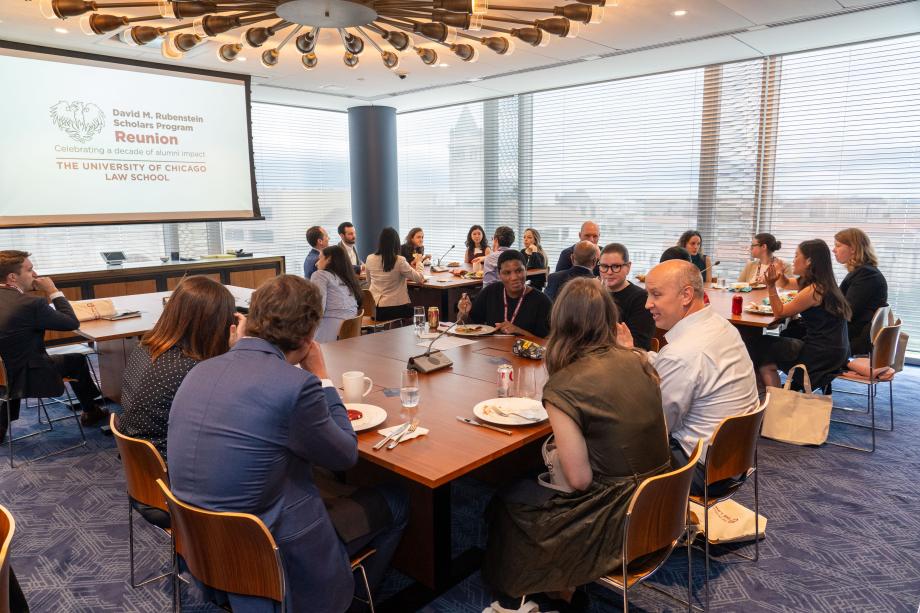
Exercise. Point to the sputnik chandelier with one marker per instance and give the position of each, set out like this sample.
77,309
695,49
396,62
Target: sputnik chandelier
450,24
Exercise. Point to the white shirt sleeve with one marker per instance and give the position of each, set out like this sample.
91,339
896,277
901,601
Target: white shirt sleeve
679,380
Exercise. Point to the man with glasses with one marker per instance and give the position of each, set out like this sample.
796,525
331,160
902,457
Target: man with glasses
706,373
630,299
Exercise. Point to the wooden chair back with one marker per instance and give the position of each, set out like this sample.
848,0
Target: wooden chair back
351,328
880,319
367,303
4,388
657,513
885,347
233,552
143,465
898,365
7,528
733,446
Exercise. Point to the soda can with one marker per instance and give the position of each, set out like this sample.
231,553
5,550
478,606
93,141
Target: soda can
434,317
505,379
737,304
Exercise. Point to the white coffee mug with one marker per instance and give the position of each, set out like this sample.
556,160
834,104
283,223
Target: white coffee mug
353,381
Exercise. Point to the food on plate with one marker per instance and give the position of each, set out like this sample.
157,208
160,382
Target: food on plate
468,329
473,275
354,415
453,264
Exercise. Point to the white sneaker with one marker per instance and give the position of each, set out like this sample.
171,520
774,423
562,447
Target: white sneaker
527,607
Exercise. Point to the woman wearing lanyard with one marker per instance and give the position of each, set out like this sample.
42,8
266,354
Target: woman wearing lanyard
511,306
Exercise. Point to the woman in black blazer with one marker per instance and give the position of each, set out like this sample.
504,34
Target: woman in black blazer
864,287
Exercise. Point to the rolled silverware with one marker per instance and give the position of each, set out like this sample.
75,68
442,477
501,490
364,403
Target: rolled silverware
399,430
473,422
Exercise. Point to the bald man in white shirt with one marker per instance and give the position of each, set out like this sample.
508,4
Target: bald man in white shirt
706,372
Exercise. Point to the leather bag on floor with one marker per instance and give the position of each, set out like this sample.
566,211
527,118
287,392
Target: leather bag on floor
800,418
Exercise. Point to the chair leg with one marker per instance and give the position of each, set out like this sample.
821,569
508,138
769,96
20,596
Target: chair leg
9,431
689,572
76,418
706,543
177,593
131,542
367,587
871,427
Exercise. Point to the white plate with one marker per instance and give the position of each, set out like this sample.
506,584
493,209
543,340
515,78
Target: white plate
484,331
510,405
372,416
759,309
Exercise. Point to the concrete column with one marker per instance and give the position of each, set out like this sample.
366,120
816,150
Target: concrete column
373,170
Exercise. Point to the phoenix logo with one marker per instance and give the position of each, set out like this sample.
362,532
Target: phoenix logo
79,120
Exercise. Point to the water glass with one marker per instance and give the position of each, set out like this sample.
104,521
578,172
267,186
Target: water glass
418,319
409,395
526,382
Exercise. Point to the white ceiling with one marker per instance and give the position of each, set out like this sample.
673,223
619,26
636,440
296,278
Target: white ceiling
636,37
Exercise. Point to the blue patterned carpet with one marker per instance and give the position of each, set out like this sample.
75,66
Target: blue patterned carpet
843,532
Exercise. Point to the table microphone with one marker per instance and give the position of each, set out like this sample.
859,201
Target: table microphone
716,263
445,254
431,361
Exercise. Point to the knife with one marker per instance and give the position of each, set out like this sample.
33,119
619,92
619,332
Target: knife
473,422
397,432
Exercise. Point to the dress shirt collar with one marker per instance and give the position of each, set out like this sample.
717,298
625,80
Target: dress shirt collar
15,287
688,324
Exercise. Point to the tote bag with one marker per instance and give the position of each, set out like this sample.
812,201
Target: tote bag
800,418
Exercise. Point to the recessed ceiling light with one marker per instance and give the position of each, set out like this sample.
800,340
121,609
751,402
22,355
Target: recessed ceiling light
241,58
443,65
474,79
679,13
61,30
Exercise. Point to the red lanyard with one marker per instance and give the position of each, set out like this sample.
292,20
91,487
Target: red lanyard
517,308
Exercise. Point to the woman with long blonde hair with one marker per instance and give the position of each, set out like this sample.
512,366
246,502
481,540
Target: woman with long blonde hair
601,398
864,287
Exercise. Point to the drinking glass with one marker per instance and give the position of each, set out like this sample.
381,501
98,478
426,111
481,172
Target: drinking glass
526,382
408,395
418,318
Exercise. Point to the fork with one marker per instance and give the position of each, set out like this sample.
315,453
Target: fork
409,431
504,414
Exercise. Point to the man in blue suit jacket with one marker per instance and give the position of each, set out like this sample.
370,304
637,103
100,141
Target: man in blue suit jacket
246,430
584,257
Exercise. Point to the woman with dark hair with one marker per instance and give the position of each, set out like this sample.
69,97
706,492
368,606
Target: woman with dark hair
541,540
864,287
763,246
692,241
414,247
824,313
477,248
341,292
198,322
389,274
535,256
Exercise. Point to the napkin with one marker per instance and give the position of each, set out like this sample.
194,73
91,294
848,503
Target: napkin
420,431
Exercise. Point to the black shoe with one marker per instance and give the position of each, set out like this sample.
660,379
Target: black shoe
94,416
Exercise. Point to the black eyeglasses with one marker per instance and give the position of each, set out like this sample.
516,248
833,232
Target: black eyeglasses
613,267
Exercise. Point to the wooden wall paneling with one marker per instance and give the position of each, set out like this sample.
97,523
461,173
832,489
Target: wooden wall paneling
124,288
172,282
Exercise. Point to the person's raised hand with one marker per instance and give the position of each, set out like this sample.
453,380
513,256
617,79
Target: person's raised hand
238,329
624,336
44,284
314,361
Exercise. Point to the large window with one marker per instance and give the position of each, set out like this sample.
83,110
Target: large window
848,154
302,178
800,145
441,175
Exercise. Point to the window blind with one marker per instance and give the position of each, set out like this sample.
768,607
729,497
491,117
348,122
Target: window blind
441,175
847,155
623,153
301,158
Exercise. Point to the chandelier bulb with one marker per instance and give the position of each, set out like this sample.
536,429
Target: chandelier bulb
390,59
270,57
309,61
350,59
229,52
